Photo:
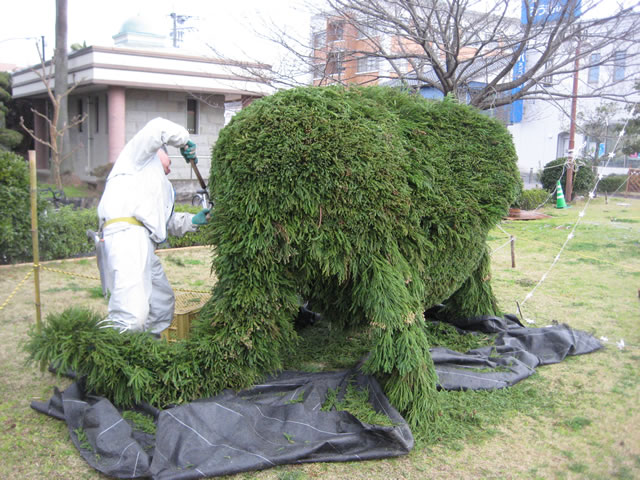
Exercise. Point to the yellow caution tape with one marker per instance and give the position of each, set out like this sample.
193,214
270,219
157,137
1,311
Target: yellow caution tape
6,302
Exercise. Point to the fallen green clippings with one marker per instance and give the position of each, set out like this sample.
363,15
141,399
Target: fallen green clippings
356,402
83,441
140,421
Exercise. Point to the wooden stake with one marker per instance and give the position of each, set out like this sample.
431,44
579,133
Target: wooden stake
34,235
513,251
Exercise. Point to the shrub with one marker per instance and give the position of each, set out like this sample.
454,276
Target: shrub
9,138
190,239
583,181
15,209
532,198
62,232
611,183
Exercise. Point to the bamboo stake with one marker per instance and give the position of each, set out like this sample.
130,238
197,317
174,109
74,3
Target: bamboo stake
513,251
34,235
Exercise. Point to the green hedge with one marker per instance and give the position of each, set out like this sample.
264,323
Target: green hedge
583,181
62,232
531,199
15,209
190,239
612,183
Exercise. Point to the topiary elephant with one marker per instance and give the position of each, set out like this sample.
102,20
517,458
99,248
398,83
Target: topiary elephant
374,204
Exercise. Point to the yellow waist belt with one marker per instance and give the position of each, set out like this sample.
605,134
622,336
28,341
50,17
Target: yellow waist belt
131,220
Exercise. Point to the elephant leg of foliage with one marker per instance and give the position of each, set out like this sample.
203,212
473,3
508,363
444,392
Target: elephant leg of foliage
475,297
248,323
401,355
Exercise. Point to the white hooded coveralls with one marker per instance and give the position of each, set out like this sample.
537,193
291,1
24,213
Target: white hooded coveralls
141,296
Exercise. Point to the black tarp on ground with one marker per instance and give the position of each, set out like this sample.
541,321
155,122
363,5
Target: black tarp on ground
280,421
516,352
277,422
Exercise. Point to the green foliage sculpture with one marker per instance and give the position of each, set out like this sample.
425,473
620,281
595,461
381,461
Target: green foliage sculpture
372,203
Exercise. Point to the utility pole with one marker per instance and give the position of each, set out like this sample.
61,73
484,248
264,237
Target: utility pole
178,30
572,129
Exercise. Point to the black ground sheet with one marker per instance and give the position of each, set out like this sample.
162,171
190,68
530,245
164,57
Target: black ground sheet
281,421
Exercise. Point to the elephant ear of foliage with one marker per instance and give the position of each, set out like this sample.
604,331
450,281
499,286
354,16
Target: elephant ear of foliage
373,203
583,181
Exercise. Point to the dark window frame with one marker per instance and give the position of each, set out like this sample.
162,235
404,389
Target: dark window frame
192,116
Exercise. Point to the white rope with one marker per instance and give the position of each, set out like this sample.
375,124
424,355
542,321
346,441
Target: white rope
501,247
580,216
503,231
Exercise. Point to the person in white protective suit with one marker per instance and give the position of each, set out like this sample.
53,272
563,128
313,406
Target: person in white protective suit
136,213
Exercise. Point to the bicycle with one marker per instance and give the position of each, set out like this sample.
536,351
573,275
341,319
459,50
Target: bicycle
57,198
201,198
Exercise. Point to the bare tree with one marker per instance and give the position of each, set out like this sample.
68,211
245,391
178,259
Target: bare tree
473,48
600,127
56,129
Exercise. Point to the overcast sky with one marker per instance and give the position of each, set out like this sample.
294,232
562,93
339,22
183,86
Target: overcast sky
228,25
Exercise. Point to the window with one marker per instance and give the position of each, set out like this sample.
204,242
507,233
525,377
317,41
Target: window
594,69
547,80
402,64
319,39
562,149
335,30
367,64
318,70
334,63
94,106
366,30
619,61
192,116
80,109
106,115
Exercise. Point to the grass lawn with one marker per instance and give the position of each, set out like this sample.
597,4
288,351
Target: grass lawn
70,191
575,420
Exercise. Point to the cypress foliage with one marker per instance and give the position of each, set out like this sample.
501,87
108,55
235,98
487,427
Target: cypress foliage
374,204
371,203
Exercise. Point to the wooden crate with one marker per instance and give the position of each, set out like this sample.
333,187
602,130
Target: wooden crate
188,305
